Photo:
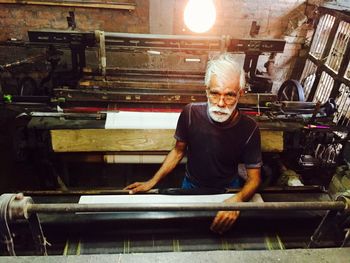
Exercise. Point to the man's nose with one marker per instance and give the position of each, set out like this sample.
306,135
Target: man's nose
221,102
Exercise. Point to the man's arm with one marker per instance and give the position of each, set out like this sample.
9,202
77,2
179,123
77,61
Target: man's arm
250,186
225,219
170,162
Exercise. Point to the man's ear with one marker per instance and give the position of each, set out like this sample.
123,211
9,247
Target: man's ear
241,92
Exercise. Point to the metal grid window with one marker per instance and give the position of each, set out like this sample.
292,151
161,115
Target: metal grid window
336,55
321,35
326,73
347,72
342,117
324,88
308,77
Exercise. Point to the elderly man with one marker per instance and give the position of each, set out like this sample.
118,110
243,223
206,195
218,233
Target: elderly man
216,137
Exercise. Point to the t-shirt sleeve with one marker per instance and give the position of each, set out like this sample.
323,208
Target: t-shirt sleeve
181,133
252,150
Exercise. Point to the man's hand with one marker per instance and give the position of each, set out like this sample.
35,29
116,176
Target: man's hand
140,187
171,160
224,220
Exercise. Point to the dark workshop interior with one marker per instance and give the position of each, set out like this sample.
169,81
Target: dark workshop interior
90,95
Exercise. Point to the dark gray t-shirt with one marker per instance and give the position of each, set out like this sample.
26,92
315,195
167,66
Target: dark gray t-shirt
214,150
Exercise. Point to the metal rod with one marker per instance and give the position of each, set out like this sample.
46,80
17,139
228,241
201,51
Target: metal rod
65,3
344,90
125,207
273,189
23,61
159,36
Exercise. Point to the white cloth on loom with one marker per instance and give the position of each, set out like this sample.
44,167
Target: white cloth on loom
141,120
158,199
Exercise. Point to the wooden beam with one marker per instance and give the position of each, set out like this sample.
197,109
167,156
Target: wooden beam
115,140
95,4
105,140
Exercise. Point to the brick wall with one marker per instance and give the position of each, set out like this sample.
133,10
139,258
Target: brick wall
16,20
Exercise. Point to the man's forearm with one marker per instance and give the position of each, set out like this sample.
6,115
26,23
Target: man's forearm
250,187
170,162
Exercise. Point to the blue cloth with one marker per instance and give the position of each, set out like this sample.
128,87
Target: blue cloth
187,184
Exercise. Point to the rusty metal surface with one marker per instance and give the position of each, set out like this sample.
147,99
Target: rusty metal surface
126,207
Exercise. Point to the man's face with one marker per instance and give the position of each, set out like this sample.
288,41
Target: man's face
223,99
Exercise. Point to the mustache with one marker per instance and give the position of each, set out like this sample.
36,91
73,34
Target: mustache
221,110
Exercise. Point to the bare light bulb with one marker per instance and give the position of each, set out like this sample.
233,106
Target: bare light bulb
200,15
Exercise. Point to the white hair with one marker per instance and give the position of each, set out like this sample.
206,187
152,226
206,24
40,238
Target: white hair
224,67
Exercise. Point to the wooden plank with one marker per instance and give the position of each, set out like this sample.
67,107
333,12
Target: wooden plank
114,140
104,140
128,6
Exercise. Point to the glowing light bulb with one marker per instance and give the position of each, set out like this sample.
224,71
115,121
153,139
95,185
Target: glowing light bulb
200,15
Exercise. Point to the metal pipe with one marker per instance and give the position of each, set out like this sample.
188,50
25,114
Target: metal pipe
160,36
274,189
124,207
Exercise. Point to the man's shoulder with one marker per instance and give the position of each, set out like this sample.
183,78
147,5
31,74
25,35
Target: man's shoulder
196,106
248,121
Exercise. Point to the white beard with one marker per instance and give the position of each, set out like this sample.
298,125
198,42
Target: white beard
221,114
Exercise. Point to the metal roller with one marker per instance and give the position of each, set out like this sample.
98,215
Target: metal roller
18,208
271,206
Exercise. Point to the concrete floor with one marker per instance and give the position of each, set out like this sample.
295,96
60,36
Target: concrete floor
330,255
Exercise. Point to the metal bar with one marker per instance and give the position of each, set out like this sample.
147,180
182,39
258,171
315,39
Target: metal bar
100,36
92,4
315,84
335,50
336,13
346,103
342,40
274,189
342,102
277,206
28,60
97,116
319,88
328,38
329,83
159,36
345,116
317,37
346,56
38,235
307,77
334,92
323,87
320,66
327,223
347,123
